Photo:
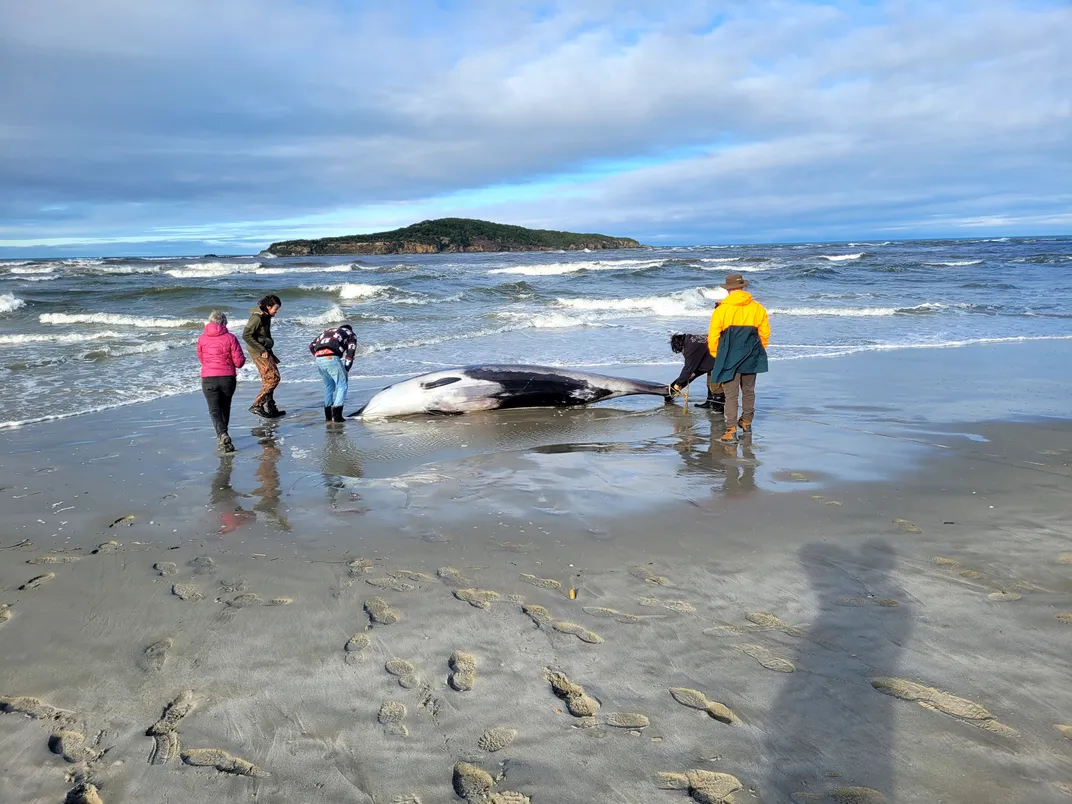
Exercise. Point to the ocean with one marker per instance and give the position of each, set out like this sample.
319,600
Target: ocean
82,335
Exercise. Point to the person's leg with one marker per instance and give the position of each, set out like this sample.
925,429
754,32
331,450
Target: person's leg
272,379
263,369
210,387
323,367
748,401
341,384
731,388
228,385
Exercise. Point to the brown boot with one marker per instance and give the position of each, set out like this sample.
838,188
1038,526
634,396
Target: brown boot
730,436
745,425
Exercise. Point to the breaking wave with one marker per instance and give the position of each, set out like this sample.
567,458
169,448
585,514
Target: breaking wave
115,320
9,303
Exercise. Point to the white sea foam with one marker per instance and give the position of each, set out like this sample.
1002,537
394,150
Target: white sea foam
351,290
955,263
695,302
333,315
116,320
8,263
302,269
49,337
211,270
101,269
34,269
557,268
526,320
33,278
121,350
9,303
883,243
839,257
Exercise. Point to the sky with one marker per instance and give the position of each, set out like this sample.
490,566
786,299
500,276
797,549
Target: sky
161,127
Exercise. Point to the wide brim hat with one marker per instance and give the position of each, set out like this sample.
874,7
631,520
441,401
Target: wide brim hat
734,282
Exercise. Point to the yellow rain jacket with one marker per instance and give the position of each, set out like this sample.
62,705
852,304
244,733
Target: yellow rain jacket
738,338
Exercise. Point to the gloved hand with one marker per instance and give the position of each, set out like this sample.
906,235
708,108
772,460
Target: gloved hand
673,389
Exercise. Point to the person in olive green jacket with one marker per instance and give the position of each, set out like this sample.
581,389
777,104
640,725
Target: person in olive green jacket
737,340
258,338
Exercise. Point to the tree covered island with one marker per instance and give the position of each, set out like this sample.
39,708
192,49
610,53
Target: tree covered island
450,235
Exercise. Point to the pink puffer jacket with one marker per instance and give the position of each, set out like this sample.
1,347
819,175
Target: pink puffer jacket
219,352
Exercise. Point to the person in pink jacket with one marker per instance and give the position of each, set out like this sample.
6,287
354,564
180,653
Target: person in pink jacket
221,357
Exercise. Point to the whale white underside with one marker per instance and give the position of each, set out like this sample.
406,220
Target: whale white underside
469,389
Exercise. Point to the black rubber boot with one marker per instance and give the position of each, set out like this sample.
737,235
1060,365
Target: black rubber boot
327,413
259,411
715,402
273,411
336,414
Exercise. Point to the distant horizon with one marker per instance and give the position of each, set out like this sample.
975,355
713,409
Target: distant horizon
856,240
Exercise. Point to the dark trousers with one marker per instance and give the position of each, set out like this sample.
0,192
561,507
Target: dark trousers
746,384
218,392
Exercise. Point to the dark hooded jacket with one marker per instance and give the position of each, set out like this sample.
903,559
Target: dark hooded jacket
698,360
258,333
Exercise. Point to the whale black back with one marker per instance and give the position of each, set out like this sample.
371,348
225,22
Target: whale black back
528,389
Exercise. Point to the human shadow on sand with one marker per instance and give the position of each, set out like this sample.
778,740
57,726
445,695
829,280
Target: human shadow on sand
829,731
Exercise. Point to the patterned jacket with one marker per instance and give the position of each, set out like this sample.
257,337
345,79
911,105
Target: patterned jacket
340,342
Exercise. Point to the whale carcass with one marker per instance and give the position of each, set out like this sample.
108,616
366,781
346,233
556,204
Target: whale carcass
473,388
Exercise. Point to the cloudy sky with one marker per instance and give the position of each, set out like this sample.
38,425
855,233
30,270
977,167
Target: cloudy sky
189,126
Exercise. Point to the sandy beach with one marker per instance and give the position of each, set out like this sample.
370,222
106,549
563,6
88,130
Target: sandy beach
868,600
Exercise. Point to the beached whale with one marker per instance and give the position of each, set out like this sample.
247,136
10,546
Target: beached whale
472,388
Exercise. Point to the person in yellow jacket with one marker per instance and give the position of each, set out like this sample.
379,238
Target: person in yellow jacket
738,341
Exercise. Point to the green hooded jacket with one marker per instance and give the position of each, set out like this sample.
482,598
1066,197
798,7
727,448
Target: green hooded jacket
258,333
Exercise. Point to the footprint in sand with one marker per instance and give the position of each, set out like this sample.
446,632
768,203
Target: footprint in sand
405,671
84,793
707,787
5,613
1064,617
496,739
542,583
354,646
391,715
165,568
582,633
680,606
234,585
71,745
694,699
380,612
646,575
202,565
33,708
578,702
906,526
154,656
768,622
824,500
617,616
1063,730
538,614
885,602
1064,558
472,782
359,566
840,795
222,761
453,578
1003,596
940,701
33,583
627,720
165,748
463,671
767,659
52,560
394,584
410,575
478,598
110,546
175,711
279,601
186,591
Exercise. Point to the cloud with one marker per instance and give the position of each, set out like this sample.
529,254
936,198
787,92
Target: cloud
188,121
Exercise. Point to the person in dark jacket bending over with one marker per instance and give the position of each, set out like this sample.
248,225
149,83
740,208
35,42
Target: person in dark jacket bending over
334,350
737,340
698,361
259,341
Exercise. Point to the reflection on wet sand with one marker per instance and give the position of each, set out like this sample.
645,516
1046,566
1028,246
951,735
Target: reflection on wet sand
270,489
224,499
340,464
704,455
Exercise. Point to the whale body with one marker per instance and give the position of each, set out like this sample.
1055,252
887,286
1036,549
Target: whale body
493,387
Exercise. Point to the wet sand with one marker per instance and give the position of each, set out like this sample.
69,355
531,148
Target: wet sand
868,600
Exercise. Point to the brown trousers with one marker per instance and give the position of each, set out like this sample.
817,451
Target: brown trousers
269,371
746,383
713,387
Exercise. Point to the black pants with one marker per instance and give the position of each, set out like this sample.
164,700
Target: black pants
218,392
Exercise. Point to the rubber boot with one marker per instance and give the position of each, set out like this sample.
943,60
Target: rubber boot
273,411
327,413
259,411
714,402
336,415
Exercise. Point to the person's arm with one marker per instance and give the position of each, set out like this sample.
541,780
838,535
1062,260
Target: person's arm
200,357
714,332
237,357
694,354
312,345
764,330
351,352
255,347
